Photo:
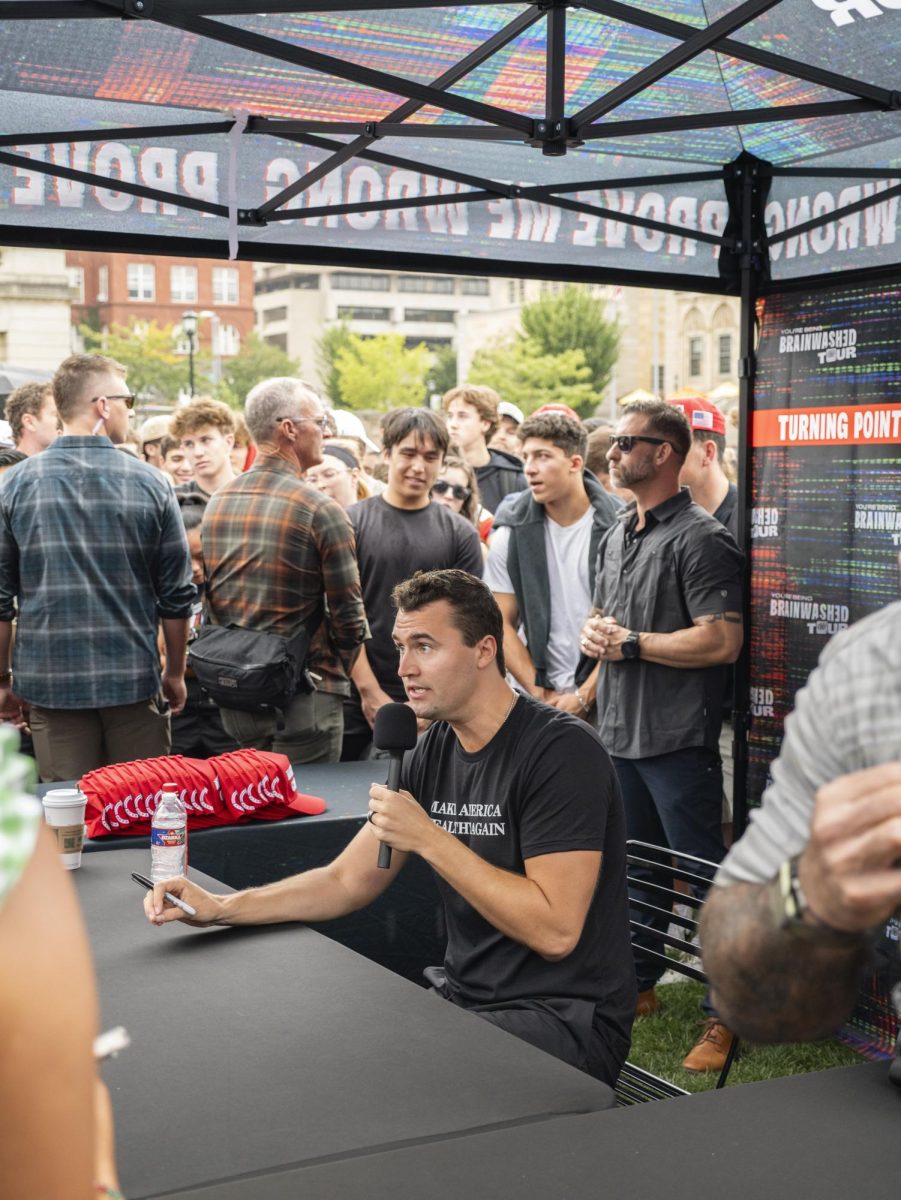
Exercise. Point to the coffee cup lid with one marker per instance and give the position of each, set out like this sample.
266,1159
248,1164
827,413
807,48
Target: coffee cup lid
62,798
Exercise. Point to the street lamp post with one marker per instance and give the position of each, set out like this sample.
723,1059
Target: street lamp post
189,327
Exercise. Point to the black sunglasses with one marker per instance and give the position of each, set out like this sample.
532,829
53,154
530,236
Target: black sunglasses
626,441
457,491
128,397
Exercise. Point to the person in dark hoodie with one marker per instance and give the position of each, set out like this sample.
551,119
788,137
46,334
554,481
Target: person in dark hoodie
542,558
472,417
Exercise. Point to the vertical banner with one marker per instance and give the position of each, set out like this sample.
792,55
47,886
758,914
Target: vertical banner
826,509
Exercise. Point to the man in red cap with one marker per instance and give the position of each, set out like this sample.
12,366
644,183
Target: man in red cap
703,471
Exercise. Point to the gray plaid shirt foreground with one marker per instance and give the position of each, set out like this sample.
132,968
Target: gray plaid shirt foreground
93,548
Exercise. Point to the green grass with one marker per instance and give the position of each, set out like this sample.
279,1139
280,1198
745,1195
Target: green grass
661,1041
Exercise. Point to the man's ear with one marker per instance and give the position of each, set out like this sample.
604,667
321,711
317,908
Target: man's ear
487,649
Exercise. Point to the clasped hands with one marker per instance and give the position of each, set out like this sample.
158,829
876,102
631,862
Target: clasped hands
602,638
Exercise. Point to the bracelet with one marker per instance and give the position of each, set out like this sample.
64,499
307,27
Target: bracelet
111,1193
586,708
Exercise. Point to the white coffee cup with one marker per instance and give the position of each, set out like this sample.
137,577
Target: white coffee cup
64,813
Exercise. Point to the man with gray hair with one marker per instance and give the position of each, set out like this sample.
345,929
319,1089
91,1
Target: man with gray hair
274,549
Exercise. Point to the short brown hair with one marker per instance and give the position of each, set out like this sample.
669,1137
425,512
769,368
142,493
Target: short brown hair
596,451
663,421
242,433
73,379
475,610
401,422
484,399
29,398
201,414
556,428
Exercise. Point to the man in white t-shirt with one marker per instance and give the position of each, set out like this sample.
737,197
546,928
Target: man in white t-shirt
541,563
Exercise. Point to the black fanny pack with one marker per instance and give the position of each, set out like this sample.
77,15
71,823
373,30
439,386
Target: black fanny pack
252,671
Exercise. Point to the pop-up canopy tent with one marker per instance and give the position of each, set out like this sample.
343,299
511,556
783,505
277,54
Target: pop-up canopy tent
691,144
663,144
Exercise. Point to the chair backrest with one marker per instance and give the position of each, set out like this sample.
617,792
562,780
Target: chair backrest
662,871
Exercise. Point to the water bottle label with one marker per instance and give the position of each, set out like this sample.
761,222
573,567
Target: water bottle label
168,837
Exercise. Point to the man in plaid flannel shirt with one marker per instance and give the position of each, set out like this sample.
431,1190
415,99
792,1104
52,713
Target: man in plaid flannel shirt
274,548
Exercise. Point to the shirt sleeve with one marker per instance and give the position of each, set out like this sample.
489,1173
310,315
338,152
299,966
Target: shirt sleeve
497,575
340,579
9,567
469,549
175,593
570,784
710,571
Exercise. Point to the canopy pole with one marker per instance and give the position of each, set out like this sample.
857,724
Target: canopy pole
750,179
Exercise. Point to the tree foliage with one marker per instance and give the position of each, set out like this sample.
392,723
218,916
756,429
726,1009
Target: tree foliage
443,373
335,339
156,372
380,372
574,320
256,361
519,372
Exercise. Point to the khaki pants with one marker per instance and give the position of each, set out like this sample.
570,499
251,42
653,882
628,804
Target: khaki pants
69,742
314,727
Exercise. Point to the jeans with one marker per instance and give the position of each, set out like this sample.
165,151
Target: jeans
673,800
312,731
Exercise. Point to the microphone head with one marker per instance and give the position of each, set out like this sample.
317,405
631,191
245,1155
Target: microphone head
395,727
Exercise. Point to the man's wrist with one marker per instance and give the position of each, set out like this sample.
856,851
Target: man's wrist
794,914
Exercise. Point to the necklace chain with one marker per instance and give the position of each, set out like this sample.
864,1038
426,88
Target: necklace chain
510,709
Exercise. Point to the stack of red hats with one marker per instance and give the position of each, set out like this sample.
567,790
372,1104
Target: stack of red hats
239,786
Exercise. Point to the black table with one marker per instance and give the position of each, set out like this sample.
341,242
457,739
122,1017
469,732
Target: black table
403,930
262,1049
832,1135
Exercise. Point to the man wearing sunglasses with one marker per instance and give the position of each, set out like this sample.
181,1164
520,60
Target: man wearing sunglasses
93,557
666,621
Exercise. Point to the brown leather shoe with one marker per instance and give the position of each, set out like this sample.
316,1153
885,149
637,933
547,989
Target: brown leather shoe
647,1003
711,1049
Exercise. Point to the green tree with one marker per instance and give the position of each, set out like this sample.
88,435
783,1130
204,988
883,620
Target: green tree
380,372
574,320
520,373
257,360
156,371
335,339
443,373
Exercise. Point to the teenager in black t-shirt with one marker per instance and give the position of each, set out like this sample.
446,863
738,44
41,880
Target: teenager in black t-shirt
517,811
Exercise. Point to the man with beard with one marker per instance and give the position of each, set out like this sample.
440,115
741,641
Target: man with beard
666,622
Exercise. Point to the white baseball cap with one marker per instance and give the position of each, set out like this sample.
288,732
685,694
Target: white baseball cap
506,409
348,424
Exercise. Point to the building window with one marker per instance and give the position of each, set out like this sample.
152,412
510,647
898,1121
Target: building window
279,340
228,341
183,285
76,283
475,287
695,356
225,285
426,283
102,285
724,353
275,314
141,281
444,316
348,281
350,312
295,282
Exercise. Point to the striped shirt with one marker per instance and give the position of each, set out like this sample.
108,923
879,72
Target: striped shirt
272,547
93,553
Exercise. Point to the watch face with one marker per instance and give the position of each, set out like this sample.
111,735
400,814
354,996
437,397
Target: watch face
630,646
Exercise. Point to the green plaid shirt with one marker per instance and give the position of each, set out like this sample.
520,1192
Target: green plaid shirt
272,548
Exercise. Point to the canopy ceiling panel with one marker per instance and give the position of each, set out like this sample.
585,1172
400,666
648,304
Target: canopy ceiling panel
595,139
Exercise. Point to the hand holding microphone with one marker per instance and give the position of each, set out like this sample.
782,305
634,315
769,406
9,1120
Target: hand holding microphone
395,731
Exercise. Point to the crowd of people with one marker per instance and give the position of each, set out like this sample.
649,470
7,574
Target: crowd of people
558,601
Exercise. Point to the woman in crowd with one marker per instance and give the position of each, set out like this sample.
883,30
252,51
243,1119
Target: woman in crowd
338,475
457,488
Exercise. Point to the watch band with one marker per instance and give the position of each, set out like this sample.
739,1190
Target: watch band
790,909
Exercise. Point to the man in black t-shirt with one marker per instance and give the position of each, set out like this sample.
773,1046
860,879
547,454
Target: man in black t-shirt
516,807
398,533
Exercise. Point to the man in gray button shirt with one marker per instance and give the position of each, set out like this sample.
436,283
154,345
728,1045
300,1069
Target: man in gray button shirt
666,621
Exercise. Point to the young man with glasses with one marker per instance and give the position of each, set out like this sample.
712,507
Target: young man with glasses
93,557
275,551
666,621
542,561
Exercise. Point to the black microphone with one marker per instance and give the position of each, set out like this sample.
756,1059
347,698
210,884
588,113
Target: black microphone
395,731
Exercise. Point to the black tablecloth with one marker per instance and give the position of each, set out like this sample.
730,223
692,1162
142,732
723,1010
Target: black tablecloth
271,1047
832,1135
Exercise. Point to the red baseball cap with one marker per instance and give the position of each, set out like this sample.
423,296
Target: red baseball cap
563,409
701,414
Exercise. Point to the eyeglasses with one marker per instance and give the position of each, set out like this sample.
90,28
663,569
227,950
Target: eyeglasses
315,477
128,397
626,441
441,486
324,422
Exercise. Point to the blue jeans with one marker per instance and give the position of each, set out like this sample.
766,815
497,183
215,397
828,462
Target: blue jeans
673,800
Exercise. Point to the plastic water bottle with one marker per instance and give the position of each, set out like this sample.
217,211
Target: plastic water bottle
169,836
